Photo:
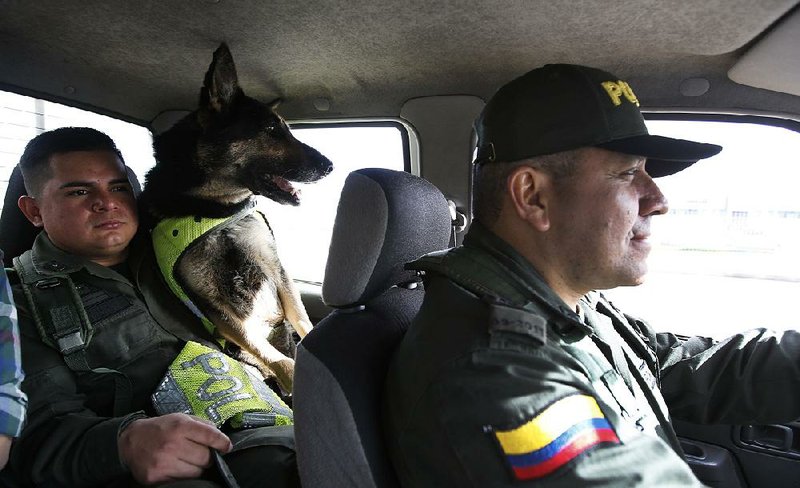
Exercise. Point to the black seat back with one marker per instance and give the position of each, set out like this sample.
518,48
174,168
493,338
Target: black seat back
385,218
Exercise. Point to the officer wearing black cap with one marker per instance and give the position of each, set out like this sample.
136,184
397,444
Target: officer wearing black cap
516,370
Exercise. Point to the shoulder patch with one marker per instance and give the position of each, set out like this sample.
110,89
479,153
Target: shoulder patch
503,318
554,437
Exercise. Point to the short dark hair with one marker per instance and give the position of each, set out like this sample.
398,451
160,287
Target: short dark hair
489,183
35,160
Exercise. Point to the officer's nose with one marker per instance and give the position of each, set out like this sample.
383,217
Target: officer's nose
652,201
104,202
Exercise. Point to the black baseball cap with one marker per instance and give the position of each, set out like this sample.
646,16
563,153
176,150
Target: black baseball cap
560,107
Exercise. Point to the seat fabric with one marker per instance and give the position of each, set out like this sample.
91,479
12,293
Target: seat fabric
385,218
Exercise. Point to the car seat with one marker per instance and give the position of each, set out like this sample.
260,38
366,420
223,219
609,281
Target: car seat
385,218
16,232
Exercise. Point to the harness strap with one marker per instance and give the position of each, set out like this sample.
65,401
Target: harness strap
63,324
172,237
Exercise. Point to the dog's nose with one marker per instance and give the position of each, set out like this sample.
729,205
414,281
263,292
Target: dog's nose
328,169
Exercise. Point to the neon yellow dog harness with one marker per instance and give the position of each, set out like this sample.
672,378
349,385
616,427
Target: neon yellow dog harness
173,236
204,382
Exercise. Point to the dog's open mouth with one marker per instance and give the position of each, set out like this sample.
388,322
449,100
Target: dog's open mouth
284,185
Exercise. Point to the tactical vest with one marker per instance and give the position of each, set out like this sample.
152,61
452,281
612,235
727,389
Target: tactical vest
519,315
61,319
201,381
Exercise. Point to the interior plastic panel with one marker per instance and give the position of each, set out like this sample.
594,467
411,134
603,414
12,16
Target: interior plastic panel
757,466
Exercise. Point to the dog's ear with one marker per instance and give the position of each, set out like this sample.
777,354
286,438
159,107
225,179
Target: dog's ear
221,84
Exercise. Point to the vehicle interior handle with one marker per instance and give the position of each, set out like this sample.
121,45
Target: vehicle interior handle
712,464
777,437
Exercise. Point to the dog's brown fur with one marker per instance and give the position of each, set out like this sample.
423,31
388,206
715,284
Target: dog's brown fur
211,164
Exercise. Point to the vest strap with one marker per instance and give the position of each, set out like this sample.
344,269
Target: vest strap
63,324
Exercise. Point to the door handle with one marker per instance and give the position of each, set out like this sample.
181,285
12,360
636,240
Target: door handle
773,437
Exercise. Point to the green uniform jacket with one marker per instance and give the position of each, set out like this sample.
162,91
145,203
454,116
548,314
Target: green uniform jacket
139,328
468,391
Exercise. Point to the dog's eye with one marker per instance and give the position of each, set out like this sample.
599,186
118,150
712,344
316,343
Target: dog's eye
274,131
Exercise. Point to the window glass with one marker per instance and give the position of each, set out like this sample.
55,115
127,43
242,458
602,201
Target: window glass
304,232
22,118
725,257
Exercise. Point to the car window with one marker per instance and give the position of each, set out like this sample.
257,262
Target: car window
22,118
303,233
724,258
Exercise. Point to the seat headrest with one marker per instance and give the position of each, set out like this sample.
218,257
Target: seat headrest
385,219
16,232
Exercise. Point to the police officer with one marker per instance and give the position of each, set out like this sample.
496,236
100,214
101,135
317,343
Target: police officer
516,371
92,365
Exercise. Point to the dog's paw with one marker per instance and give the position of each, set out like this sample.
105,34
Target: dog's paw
284,373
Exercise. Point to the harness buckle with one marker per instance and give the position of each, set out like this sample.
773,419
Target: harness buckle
70,342
48,283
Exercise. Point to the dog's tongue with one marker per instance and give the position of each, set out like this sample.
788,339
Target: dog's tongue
284,185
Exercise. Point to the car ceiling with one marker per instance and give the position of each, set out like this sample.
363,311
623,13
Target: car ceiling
136,59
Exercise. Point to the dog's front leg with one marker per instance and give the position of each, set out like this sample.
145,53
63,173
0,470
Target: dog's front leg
250,337
293,308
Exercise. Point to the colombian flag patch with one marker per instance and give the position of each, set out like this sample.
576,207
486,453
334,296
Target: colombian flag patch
556,436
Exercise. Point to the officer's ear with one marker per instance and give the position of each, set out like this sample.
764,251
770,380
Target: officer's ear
30,208
528,189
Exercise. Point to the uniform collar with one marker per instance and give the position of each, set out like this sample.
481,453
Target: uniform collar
520,269
596,301
50,260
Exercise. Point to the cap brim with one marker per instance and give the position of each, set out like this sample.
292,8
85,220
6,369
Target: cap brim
665,155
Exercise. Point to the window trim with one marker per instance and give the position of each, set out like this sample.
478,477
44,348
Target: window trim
784,121
408,135
73,103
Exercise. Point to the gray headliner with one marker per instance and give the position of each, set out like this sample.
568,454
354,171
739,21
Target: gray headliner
136,58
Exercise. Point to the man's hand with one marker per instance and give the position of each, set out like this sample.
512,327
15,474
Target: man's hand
5,446
174,446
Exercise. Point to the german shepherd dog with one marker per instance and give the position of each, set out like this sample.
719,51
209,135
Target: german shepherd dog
210,164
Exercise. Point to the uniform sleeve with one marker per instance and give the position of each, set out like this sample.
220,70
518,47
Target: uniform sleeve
12,400
529,418
748,377
63,442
